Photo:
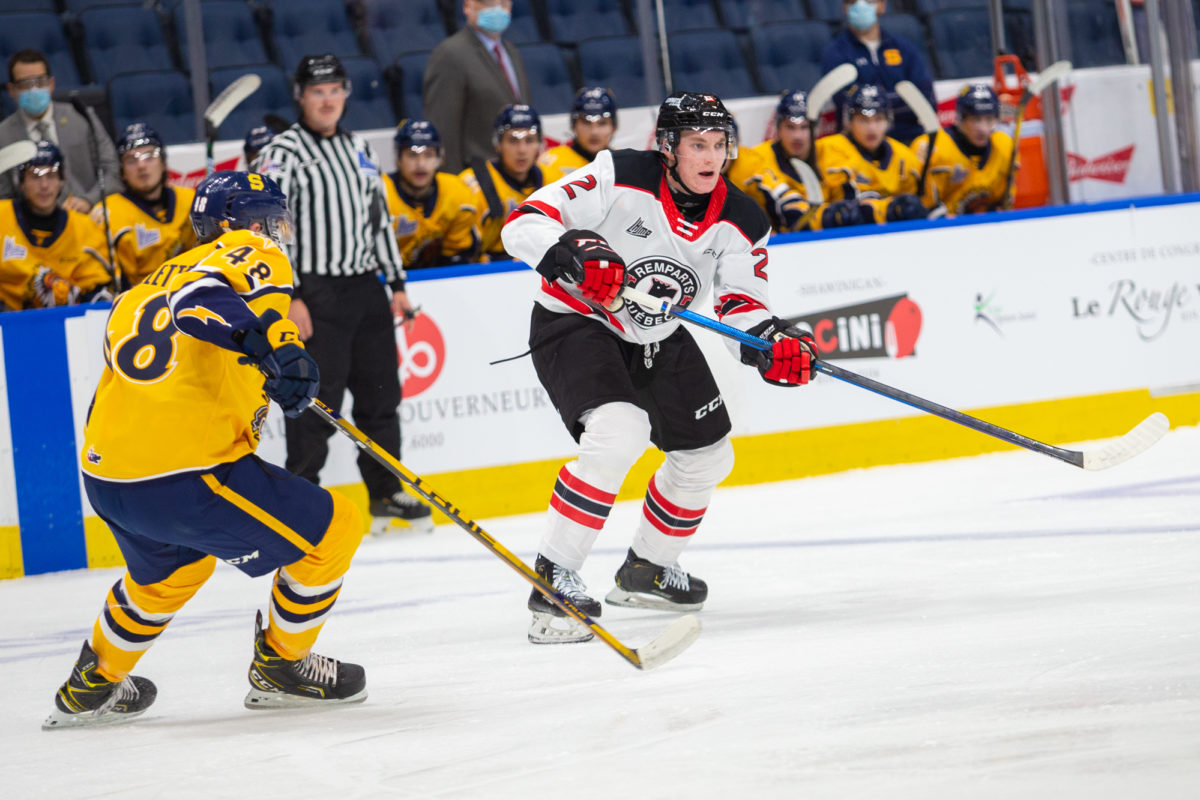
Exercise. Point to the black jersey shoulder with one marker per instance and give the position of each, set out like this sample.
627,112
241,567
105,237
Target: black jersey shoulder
741,210
641,169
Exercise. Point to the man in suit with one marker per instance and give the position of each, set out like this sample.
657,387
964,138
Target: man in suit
470,77
39,119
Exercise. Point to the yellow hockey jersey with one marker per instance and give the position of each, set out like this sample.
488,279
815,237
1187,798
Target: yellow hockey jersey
846,172
967,184
507,195
73,248
764,172
173,397
436,230
562,160
143,238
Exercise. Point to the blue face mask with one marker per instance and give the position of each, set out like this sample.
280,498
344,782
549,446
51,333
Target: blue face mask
34,101
494,19
861,15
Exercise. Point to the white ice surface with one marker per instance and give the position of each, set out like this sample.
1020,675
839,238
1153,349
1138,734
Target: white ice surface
997,627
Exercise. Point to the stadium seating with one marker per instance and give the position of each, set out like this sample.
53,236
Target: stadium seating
551,86
395,27
689,15
788,54
231,36
616,62
78,6
408,75
163,99
747,14
40,32
123,39
49,6
310,27
370,104
571,21
962,39
909,27
1094,34
827,10
274,96
710,61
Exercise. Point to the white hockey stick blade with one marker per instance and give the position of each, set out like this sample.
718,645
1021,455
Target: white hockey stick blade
1137,441
230,98
670,643
1049,75
920,105
16,154
812,184
830,84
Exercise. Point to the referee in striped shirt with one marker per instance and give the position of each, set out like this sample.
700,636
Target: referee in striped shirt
344,244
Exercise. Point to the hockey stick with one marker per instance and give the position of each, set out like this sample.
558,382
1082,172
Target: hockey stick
830,84
229,99
1137,441
16,154
927,116
812,188
1049,75
678,636
276,123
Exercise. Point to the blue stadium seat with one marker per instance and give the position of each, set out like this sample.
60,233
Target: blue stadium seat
550,86
311,27
524,28
1095,34
124,39
31,5
370,104
747,14
616,62
962,39
827,10
909,27
689,15
40,32
395,27
571,21
788,54
162,99
78,6
231,36
710,61
274,96
410,76
927,7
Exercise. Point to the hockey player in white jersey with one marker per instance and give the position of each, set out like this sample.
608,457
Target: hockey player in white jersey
621,376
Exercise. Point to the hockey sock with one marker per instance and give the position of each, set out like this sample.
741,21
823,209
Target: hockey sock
676,499
135,615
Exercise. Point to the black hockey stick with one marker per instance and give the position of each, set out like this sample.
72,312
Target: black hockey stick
671,642
94,149
1138,440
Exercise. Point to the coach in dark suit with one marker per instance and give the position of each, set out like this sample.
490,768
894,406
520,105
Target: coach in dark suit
470,77
38,118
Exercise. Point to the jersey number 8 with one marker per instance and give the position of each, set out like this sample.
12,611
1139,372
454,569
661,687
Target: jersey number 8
147,355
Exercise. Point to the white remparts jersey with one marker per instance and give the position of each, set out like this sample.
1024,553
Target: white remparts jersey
623,196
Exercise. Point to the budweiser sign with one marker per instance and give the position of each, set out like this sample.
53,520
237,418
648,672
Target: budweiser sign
1112,167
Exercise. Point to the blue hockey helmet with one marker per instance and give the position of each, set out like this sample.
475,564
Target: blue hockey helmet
866,99
256,140
139,134
417,134
793,105
230,200
978,100
47,159
594,103
519,117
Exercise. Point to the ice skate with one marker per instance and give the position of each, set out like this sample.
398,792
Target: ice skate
88,698
550,625
643,584
309,682
402,507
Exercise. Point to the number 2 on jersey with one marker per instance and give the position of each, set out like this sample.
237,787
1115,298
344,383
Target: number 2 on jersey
147,355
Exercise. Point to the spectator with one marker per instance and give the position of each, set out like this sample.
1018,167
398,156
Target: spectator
343,311
883,59
503,183
433,213
593,123
256,140
469,78
969,168
39,119
149,220
52,256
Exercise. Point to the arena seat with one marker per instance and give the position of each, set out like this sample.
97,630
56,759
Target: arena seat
310,27
829,11
231,36
274,96
571,21
689,15
48,6
79,6
909,27
616,62
748,14
710,61
551,86
163,99
124,39
408,77
962,39
370,103
788,54
1095,34
43,32
395,27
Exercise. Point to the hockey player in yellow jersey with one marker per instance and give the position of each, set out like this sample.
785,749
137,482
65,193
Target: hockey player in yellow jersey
193,355
51,256
507,180
867,175
969,168
433,213
593,123
149,220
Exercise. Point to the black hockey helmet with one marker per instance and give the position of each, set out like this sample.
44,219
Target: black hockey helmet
866,99
978,100
139,134
684,111
324,68
793,105
417,134
46,159
594,103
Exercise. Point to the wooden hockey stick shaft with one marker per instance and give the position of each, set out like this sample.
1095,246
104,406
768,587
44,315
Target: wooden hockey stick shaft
668,644
220,108
927,116
1140,438
1051,74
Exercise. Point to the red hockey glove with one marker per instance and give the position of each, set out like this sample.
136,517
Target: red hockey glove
585,259
789,362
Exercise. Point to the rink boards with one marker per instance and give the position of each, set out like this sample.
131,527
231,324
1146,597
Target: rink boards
1064,324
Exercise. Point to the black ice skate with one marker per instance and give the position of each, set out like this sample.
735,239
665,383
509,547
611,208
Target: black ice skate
311,681
88,698
403,507
643,584
567,583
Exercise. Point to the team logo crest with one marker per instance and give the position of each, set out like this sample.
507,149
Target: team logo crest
12,250
660,277
405,226
146,237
